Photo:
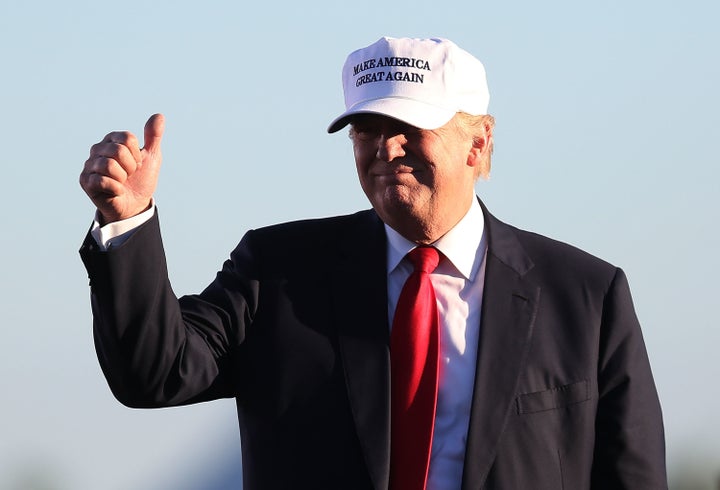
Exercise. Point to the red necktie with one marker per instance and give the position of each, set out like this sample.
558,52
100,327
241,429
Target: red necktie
414,351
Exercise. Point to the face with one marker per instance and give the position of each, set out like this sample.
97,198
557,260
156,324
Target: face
420,182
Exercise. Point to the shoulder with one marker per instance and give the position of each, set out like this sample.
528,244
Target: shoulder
317,230
309,242
541,256
547,249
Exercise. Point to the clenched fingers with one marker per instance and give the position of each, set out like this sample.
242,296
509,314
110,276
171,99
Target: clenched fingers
120,146
115,158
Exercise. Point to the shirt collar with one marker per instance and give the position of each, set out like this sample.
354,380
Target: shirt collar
464,245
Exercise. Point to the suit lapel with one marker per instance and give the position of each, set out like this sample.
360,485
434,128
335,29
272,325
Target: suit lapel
508,312
359,291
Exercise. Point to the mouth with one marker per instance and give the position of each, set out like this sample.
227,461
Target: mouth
397,171
400,178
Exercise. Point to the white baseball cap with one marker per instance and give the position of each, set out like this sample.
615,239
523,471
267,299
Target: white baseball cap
422,82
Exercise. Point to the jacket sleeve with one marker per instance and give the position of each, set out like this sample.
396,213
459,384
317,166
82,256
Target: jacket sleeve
629,444
157,350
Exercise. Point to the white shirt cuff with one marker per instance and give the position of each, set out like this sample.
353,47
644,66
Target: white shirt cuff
114,234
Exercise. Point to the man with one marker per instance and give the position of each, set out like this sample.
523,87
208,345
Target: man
525,370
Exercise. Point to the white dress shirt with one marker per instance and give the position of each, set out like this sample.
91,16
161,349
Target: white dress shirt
458,282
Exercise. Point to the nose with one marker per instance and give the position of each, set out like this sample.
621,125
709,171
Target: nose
391,146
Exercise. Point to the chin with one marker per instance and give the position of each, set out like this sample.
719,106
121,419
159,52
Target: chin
397,207
399,196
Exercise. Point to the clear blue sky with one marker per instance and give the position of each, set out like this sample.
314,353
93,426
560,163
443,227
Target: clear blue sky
607,124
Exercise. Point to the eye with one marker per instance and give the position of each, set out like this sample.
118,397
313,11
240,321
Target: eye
365,131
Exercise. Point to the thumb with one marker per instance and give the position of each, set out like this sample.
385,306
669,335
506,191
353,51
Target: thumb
154,128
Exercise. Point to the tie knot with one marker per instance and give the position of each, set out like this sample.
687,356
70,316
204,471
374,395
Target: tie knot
424,258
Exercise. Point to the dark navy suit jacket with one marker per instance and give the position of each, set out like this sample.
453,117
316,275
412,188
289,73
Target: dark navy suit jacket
295,328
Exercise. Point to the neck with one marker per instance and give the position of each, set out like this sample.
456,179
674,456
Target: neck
427,231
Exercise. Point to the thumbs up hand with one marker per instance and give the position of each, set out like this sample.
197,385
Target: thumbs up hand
120,177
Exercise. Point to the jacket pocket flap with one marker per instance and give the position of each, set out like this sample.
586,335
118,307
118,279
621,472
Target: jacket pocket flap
554,398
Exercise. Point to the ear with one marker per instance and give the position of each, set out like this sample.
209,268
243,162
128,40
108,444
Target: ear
479,155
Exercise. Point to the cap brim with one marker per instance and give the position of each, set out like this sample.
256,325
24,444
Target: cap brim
413,112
